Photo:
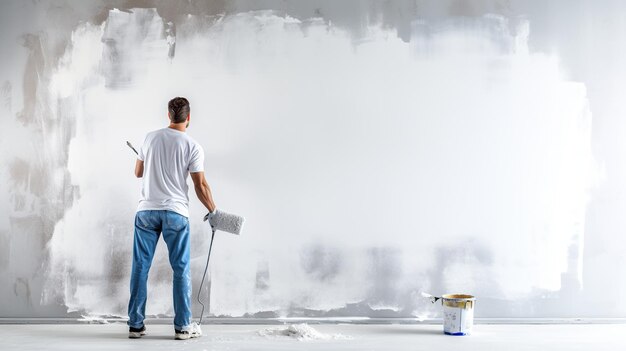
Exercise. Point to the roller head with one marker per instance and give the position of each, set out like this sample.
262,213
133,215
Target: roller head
226,222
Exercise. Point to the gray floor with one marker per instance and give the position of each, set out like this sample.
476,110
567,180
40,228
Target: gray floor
358,337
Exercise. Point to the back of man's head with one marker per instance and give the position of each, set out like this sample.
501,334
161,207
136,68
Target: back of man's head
178,108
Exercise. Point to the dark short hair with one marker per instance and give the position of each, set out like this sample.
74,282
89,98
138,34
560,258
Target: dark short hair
178,108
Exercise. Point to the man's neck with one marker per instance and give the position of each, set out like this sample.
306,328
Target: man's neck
182,127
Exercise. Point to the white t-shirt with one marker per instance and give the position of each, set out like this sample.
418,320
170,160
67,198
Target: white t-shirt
168,157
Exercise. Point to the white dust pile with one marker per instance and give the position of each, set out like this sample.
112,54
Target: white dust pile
300,332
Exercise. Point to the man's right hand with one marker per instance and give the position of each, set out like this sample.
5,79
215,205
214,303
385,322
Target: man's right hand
209,217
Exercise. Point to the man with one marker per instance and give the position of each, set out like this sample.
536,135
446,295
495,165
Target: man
167,156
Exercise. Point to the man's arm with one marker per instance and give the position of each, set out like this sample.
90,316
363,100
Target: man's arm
139,169
203,191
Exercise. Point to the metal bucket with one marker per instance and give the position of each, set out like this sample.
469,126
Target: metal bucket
458,314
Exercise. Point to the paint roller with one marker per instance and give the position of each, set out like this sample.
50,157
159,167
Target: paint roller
226,222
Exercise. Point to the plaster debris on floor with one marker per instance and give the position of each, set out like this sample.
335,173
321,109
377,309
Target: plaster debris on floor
301,331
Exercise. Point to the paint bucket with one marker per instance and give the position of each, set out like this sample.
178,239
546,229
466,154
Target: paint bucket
458,314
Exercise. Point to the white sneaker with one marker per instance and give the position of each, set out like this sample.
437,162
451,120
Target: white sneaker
136,333
191,331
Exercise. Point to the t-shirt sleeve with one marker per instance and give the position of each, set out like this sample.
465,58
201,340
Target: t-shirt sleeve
140,153
196,163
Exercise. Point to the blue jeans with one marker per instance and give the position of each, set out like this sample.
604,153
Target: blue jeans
175,228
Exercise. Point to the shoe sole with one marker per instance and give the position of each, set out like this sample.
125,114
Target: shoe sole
185,336
136,335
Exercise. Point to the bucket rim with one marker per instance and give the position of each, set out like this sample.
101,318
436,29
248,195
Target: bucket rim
458,297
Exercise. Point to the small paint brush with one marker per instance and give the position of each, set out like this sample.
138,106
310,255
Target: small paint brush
432,298
131,146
